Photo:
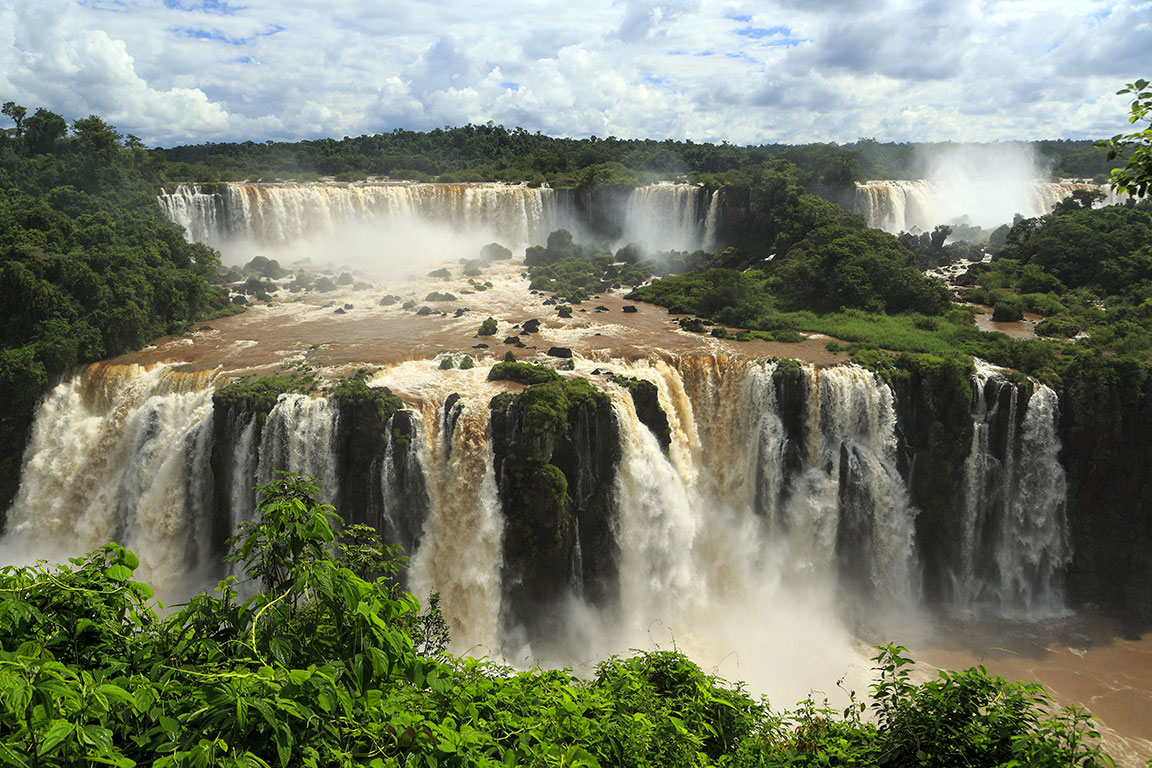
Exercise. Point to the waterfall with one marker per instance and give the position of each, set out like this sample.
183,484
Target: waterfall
1014,538
111,458
776,501
299,437
672,217
459,553
911,206
280,214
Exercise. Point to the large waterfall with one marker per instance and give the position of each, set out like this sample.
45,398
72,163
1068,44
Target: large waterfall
905,206
257,216
778,499
279,214
673,217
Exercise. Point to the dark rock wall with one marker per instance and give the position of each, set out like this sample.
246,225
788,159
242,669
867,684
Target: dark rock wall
556,449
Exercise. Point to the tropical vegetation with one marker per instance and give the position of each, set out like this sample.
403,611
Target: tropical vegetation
328,663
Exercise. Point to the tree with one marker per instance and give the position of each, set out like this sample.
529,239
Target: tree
1135,178
16,112
42,130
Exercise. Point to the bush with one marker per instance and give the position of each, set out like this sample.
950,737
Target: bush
488,328
523,373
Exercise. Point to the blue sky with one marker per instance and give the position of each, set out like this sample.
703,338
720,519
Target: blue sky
177,71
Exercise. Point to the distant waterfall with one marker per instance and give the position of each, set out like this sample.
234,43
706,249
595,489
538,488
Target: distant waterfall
681,217
278,214
919,206
1014,542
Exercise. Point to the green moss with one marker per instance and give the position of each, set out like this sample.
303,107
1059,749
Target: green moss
259,395
353,392
523,373
487,328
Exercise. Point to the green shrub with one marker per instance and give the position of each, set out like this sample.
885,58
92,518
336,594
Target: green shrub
523,373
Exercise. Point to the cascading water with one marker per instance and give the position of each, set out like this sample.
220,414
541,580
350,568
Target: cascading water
1014,540
279,214
777,490
670,216
112,457
905,206
299,437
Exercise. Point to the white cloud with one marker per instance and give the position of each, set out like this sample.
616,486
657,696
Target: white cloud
189,71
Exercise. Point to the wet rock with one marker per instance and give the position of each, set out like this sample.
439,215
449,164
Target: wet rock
602,309
340,311
387,301
481,345
347,306
531,326
550,302
563,352
460,312
512,340
630,308
425,311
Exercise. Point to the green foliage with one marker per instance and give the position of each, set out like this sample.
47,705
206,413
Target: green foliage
488,327
329,664
973,718
259,394
523,373
89,266
1135,177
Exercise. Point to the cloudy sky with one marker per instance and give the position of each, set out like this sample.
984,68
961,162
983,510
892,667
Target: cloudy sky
179,71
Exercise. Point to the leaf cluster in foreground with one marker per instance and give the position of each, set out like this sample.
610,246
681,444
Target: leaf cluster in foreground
330,664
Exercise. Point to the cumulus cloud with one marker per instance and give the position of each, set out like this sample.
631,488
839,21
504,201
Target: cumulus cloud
174,71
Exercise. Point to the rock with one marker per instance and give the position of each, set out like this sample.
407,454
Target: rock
481,345
460,312
330,304
563,352
388,301
425,311
512,340
630,308
340,311
550,302
602,309
240,300
531,326
347,306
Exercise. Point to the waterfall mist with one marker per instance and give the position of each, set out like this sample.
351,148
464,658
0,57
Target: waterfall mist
984,184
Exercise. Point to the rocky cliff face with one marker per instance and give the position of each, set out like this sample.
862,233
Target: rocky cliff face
556,447
1106,419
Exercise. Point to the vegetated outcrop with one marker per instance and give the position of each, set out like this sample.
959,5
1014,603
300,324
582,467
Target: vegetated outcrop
556,448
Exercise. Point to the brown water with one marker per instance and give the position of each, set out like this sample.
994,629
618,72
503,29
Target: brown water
297,328
1080,661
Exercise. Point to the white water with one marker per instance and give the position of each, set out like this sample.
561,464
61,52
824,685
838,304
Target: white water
905,206
110,458
667,216
380,224
1014,538
729,550
281,214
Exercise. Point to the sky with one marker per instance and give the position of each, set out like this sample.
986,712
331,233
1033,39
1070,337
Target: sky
779,71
